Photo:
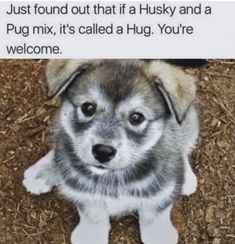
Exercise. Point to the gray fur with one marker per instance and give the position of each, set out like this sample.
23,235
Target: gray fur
148,172
117,82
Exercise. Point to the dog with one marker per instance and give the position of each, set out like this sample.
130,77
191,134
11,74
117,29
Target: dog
122,138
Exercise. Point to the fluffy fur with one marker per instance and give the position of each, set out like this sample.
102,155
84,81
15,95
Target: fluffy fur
150,169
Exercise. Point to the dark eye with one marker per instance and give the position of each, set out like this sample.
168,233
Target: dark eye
136,118
88,109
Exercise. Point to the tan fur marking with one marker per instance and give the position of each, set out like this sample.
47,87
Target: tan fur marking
59,71
179,86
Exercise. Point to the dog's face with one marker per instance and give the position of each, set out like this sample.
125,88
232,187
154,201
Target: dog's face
114,114
118,115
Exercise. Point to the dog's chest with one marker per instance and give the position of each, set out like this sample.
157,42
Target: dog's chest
123,203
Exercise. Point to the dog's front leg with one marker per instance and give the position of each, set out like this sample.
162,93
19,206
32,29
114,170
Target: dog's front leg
94,226
190,179
157,227
41,177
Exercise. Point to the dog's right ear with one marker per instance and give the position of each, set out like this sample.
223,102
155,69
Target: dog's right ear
61,72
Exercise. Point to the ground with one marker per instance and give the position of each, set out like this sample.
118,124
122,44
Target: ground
206,217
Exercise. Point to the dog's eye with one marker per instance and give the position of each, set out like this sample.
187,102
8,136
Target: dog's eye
88,109
136,118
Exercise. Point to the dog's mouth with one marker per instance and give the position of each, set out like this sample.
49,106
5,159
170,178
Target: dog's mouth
100,166
98,169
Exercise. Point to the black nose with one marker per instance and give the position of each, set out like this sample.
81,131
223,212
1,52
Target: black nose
103,153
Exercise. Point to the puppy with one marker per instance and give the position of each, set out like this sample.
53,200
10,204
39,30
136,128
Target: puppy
121,143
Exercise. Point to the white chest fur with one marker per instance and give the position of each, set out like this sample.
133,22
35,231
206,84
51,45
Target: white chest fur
120,205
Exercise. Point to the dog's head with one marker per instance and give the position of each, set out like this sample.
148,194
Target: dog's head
115,110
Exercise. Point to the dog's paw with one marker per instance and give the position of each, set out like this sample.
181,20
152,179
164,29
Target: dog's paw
89,234
36,183
159,234
157,228
41,177
190,184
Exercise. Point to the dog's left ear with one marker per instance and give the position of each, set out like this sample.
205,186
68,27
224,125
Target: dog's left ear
177,87
61,72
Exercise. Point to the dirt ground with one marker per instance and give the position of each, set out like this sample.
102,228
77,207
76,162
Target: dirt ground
206,217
